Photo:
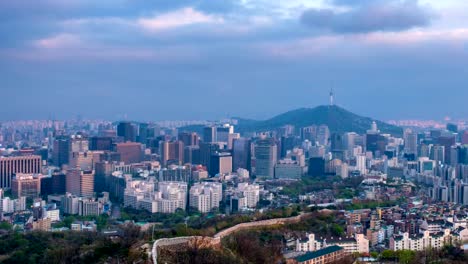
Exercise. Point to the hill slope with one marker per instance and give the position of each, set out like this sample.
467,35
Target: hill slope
335,117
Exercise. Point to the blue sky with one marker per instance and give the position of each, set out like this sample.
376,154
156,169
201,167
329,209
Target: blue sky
193,59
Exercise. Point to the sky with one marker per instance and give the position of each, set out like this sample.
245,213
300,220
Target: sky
193,59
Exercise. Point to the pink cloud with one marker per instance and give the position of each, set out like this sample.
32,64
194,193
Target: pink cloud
59,41
179,18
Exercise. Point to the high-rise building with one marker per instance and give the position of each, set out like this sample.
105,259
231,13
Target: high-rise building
464,137
188,138
316,167
172,152
411,142
61,151
127,131
142,133
100,143
209,134
438,154
69,203
309,133
130,152
175,173
102,171
172,196
288,169
221,163
21,164
206,150
241,154
337,142
231,138
82,160
53,184
27,185
206,196
265,158
323,135
287,144
78,143
447,142
192,154
222,133
80,183
375,142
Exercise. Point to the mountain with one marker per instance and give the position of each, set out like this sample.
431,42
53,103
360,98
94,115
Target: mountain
335,117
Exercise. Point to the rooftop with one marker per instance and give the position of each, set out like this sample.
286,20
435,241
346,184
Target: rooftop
318,253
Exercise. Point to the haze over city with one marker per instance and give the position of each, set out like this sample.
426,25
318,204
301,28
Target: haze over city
182,60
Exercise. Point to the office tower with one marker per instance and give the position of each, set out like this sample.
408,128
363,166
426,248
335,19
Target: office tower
102,170
89,207
375,142
206,150
221,163
175,173
447,142
82,160
154,131
171,152
100,143
127,131
265,158
192,154
21,164
222,133
61,151
53,184
78,143
80,183
209,134
323,135
316,167
27,185
452,127
70,204
130,152
424,150
438,154
309,133
287,143
288,169
241,154
349,141
464,137
337,142
188,138
411,142
206,196
231,138
142,133
109,156
285,131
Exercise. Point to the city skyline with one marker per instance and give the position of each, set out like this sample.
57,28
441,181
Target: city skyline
194,60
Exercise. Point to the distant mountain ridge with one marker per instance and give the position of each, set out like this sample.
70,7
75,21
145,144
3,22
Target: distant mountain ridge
336,118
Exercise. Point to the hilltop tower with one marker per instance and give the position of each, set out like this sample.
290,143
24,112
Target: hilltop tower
332,97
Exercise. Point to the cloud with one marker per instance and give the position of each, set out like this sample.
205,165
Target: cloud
179,18
58,41
332,46
370,16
